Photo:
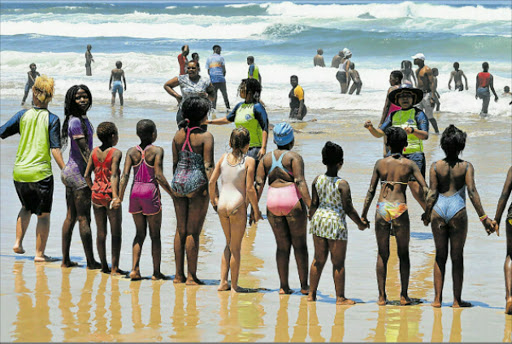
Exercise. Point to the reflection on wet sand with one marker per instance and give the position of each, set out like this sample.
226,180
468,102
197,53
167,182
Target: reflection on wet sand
338,327
185,320
31,322
456,331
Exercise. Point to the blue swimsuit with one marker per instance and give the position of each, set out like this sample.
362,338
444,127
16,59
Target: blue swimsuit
448,206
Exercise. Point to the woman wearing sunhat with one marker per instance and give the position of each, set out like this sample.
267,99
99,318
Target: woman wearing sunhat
342,74
414,122
287,203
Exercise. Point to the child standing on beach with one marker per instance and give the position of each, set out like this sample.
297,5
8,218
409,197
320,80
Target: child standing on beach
330,203
236,171
145,206
449,179
105,160
32,75
392,217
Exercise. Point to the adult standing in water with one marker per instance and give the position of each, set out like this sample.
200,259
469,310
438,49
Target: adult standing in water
192,156
39,132
484,81
288,201
298,109
318,60
426,83
343,70
88,60
336,60
183,60
456,76
217,70
191,84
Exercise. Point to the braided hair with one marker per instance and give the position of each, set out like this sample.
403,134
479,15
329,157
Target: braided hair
332,153
71,108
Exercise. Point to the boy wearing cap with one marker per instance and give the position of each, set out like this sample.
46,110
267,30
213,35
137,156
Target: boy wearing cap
415,124
426,84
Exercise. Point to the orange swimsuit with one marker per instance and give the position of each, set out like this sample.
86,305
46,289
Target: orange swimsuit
102,188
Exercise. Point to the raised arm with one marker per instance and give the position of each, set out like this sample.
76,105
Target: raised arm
114,178
159,171
169,88
475,199
505,194
300,180
376,132
371,193
250,190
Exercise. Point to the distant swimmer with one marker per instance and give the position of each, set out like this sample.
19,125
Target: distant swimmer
435,73
183,60
217,70
88,60
342,74
298,109
32,75
408,73
116,75
195,58
425,80
484,81
254,71
336,60
456,76
318,60
354,76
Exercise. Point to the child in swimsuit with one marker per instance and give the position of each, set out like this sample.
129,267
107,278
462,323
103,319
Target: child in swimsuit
505,194
78,194
236,172
287,202
104,161
192,154
449,179
392,216
330,203
145,205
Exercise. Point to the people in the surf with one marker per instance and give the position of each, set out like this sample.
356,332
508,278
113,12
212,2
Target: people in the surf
254,71
356,79
32,173
502,202
32,75
425,80
217,71
336,60
236,172
183,59
118,78
104,161
456,75
435,74
318,60
331,202
298,109
88,60
342,75
192,156
392,217
446,211
190,84
195,58
415,124
147,161
484,82
408,73
288,201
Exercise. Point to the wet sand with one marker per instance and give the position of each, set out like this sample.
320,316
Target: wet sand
42,302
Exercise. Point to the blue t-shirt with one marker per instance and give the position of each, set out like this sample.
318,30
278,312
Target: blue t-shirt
215,64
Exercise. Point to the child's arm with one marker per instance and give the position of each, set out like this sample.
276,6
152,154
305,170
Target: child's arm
208,155
261,177
114,178
124,80
346,199
464,75
475,199
452,74
314,199
88,172
251,191
431,196
57,156
175,156
300,180
126,174
212,184
159,170
83,148
110,81
505,194
370,194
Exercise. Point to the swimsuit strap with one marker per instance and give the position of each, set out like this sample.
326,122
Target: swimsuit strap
393,183
109,155
95,156
187,140
279,163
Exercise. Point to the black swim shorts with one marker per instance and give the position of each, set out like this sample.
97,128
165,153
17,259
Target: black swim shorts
36,197
419,159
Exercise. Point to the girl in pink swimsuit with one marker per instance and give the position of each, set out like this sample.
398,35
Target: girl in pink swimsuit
287,202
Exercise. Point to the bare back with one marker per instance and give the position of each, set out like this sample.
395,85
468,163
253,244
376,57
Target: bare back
150,154
117,73
423,78
451,177
394,173
278,177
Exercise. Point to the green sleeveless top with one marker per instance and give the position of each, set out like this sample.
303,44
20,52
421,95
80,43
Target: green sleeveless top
255,72
245,118
406,118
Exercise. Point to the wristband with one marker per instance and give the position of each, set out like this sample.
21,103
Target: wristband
483,218
412,130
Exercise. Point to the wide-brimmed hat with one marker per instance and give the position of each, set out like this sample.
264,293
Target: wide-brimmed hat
417,94
283,134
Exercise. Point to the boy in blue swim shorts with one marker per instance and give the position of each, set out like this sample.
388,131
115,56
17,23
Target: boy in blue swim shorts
117,86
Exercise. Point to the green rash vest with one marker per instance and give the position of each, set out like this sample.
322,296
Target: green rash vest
406,118
254,118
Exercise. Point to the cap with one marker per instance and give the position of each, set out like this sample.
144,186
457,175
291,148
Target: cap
283,134
419,56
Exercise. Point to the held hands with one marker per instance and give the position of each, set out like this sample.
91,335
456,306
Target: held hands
366,224
115,203
368,124
425,219
490,226
257,216
262,153
496,227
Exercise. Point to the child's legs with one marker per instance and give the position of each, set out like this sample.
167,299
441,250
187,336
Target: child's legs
382,232
338,250
100,215
441,237
113,101
321,252
181,210
458,230
42,232
115,217
198,207
297,223
155,224
237,229
226,256
83,212
22,223
121,99
283,240
402,229
67,226
138,241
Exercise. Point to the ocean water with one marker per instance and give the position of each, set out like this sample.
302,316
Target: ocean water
283,37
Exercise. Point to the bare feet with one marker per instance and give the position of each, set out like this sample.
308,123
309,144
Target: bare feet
224,286
179,279
44,259
405,300
157,276
18,249
68,264
382,301
312,296
284,291
243,290
436,303
304,291
194,281
508,307
94,266
460,304
135,275
117,272
344,301
105,270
